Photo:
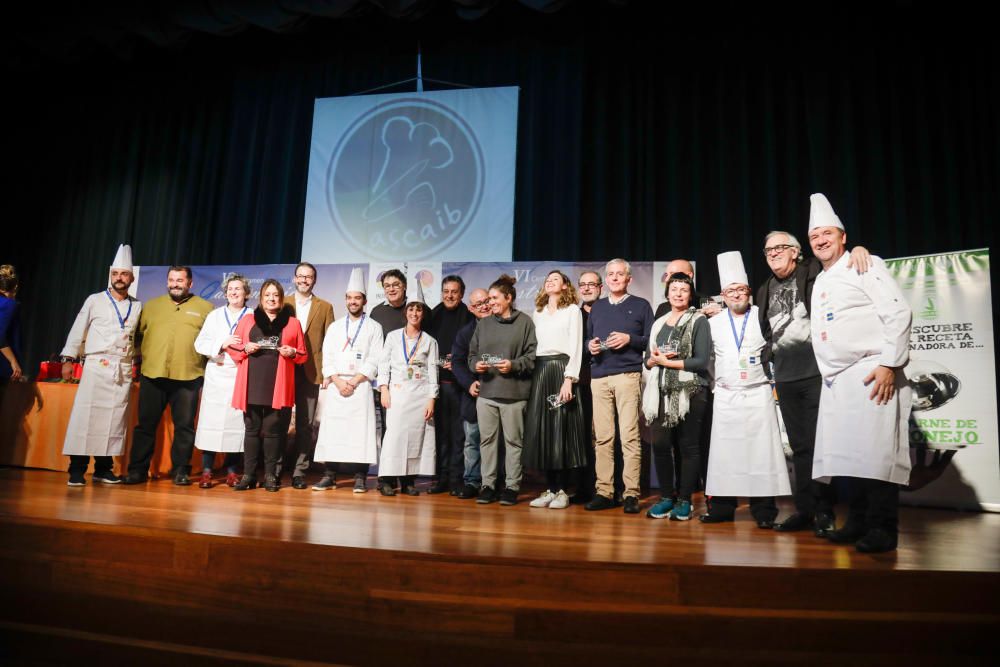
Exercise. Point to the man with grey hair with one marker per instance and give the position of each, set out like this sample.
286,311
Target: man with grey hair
783,308
617,334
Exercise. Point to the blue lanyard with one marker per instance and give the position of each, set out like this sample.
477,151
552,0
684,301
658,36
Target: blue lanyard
232,325
739,340
347,331
415,344
118,314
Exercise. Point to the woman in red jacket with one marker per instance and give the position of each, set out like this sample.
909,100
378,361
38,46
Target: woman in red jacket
265,380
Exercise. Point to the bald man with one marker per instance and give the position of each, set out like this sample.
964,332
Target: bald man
685,267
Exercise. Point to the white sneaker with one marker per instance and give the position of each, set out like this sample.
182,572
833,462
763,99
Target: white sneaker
560,501
543,500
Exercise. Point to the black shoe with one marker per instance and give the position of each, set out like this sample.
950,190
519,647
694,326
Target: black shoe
849,534
409,490
823,525
468,492
298,482
246,482
876,541
106,477
715,518
794,523
508,497
455,492
599,502
631,505
385,488
328,482
765,524
76,479
182,479
272,484
135,478
438,487
581,498
486,496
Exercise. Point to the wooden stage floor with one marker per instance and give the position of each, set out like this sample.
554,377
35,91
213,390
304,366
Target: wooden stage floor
402,576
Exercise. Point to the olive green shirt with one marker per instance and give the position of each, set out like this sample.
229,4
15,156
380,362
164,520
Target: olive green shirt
165,337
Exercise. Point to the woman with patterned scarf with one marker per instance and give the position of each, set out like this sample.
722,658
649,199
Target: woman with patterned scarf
675,396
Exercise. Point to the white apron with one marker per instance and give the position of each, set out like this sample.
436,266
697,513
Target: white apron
347,427
855,437
745,458
408,443
220,425
97,421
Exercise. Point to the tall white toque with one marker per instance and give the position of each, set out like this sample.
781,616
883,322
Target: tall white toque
415,291
356,283
731,271
123,258
821,213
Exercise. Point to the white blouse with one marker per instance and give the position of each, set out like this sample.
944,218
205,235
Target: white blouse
560,332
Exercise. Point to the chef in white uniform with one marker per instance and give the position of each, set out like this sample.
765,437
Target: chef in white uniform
352,349
408,383
861,335
103,333
220,425
745,457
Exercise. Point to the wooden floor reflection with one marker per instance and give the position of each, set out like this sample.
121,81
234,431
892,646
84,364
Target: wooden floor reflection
933,540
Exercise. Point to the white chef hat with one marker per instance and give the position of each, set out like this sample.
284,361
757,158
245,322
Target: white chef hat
356,283
123,258
415,291
821,213
731,271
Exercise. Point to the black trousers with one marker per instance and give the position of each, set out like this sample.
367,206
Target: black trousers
154,396
347,468
78,464
586,477
799,401
762,508
449,436
297,456
874,504
687,438
265,429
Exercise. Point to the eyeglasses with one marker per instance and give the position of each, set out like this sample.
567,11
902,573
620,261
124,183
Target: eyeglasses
386,286
776,249
588,285
299,275
736,291
480,304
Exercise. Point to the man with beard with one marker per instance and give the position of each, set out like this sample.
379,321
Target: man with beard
172,372
315,316
103,332
351,353
745,458
447,318
589,288
479,306
784,301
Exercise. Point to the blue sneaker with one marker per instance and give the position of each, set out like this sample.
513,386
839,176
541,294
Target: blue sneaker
660,510
682,511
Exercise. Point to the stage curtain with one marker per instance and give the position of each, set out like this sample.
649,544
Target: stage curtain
638,136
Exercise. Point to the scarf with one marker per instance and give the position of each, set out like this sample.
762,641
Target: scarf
670,388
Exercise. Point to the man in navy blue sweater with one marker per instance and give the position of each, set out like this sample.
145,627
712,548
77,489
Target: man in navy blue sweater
479,305
618,332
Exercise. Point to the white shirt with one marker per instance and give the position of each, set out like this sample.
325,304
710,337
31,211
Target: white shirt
741,367
560,332
342,358
302,307
858,316
393,366
219,325
98,330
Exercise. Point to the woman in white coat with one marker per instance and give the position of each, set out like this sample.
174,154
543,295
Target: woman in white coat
408,385
220,425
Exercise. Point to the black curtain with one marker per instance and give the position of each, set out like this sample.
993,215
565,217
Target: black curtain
642,135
